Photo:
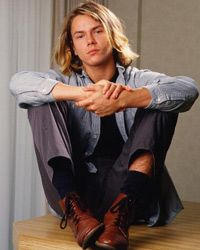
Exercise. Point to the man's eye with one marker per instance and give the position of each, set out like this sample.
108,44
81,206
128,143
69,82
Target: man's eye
98,31
79,36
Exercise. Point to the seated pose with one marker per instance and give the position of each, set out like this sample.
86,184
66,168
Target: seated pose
102,129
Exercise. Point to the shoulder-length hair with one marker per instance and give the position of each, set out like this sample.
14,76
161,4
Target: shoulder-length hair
63,51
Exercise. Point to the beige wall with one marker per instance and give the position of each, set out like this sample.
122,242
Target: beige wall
167,35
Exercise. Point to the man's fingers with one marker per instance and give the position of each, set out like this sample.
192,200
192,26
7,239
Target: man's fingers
113,90
117,91
128,88
84,103
88,107
110,90
106,87
90,87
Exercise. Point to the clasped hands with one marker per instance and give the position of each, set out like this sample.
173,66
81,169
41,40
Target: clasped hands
103,98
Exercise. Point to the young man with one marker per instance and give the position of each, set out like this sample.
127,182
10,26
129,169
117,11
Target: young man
102,129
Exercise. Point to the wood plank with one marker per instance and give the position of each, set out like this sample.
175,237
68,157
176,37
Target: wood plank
182,233
43,233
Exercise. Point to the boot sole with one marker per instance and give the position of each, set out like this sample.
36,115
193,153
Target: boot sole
92,236
107,247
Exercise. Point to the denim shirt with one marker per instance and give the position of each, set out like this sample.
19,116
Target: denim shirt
172,94
169,94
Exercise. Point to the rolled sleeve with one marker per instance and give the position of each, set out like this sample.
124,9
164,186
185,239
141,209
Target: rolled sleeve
33,88
27,99
168,93
46,86
173,94
157,96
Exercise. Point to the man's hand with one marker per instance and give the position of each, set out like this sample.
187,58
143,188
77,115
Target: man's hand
63,92
100,103
103,98
110,89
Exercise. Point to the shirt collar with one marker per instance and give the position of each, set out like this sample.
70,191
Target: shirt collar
120,68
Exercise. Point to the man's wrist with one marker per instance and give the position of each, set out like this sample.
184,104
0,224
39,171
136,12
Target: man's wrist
124,99
135,98
63,92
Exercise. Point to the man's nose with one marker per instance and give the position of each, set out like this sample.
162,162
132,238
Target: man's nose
90,39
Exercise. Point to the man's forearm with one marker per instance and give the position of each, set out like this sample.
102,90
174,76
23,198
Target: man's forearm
136,98
63,92
97,101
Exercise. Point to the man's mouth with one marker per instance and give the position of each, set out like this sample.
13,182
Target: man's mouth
92,52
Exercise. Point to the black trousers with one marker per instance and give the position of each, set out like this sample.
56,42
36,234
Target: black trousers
152,131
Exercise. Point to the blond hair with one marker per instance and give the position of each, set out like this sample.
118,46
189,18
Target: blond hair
63,52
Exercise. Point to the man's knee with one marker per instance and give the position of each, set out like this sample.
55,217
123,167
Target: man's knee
153,115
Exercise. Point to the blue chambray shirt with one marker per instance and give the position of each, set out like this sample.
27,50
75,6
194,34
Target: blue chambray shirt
171,94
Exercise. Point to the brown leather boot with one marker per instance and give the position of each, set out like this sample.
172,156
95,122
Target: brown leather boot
86,228
116,221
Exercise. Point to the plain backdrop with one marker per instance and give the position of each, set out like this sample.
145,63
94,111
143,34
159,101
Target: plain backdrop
165,33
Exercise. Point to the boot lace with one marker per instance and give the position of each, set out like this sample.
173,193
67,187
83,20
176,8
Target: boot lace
72,202
121,209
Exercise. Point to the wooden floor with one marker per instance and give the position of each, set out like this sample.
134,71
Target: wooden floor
43,233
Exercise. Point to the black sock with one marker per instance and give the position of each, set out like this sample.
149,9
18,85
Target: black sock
134,184
63,178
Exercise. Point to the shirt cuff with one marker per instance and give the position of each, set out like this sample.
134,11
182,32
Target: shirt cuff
47,86
157,96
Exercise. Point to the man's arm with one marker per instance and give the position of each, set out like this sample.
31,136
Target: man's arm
35,88
98,102
157,91
63,92
171,94
151,90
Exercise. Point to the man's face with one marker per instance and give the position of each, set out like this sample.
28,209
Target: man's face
90,41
